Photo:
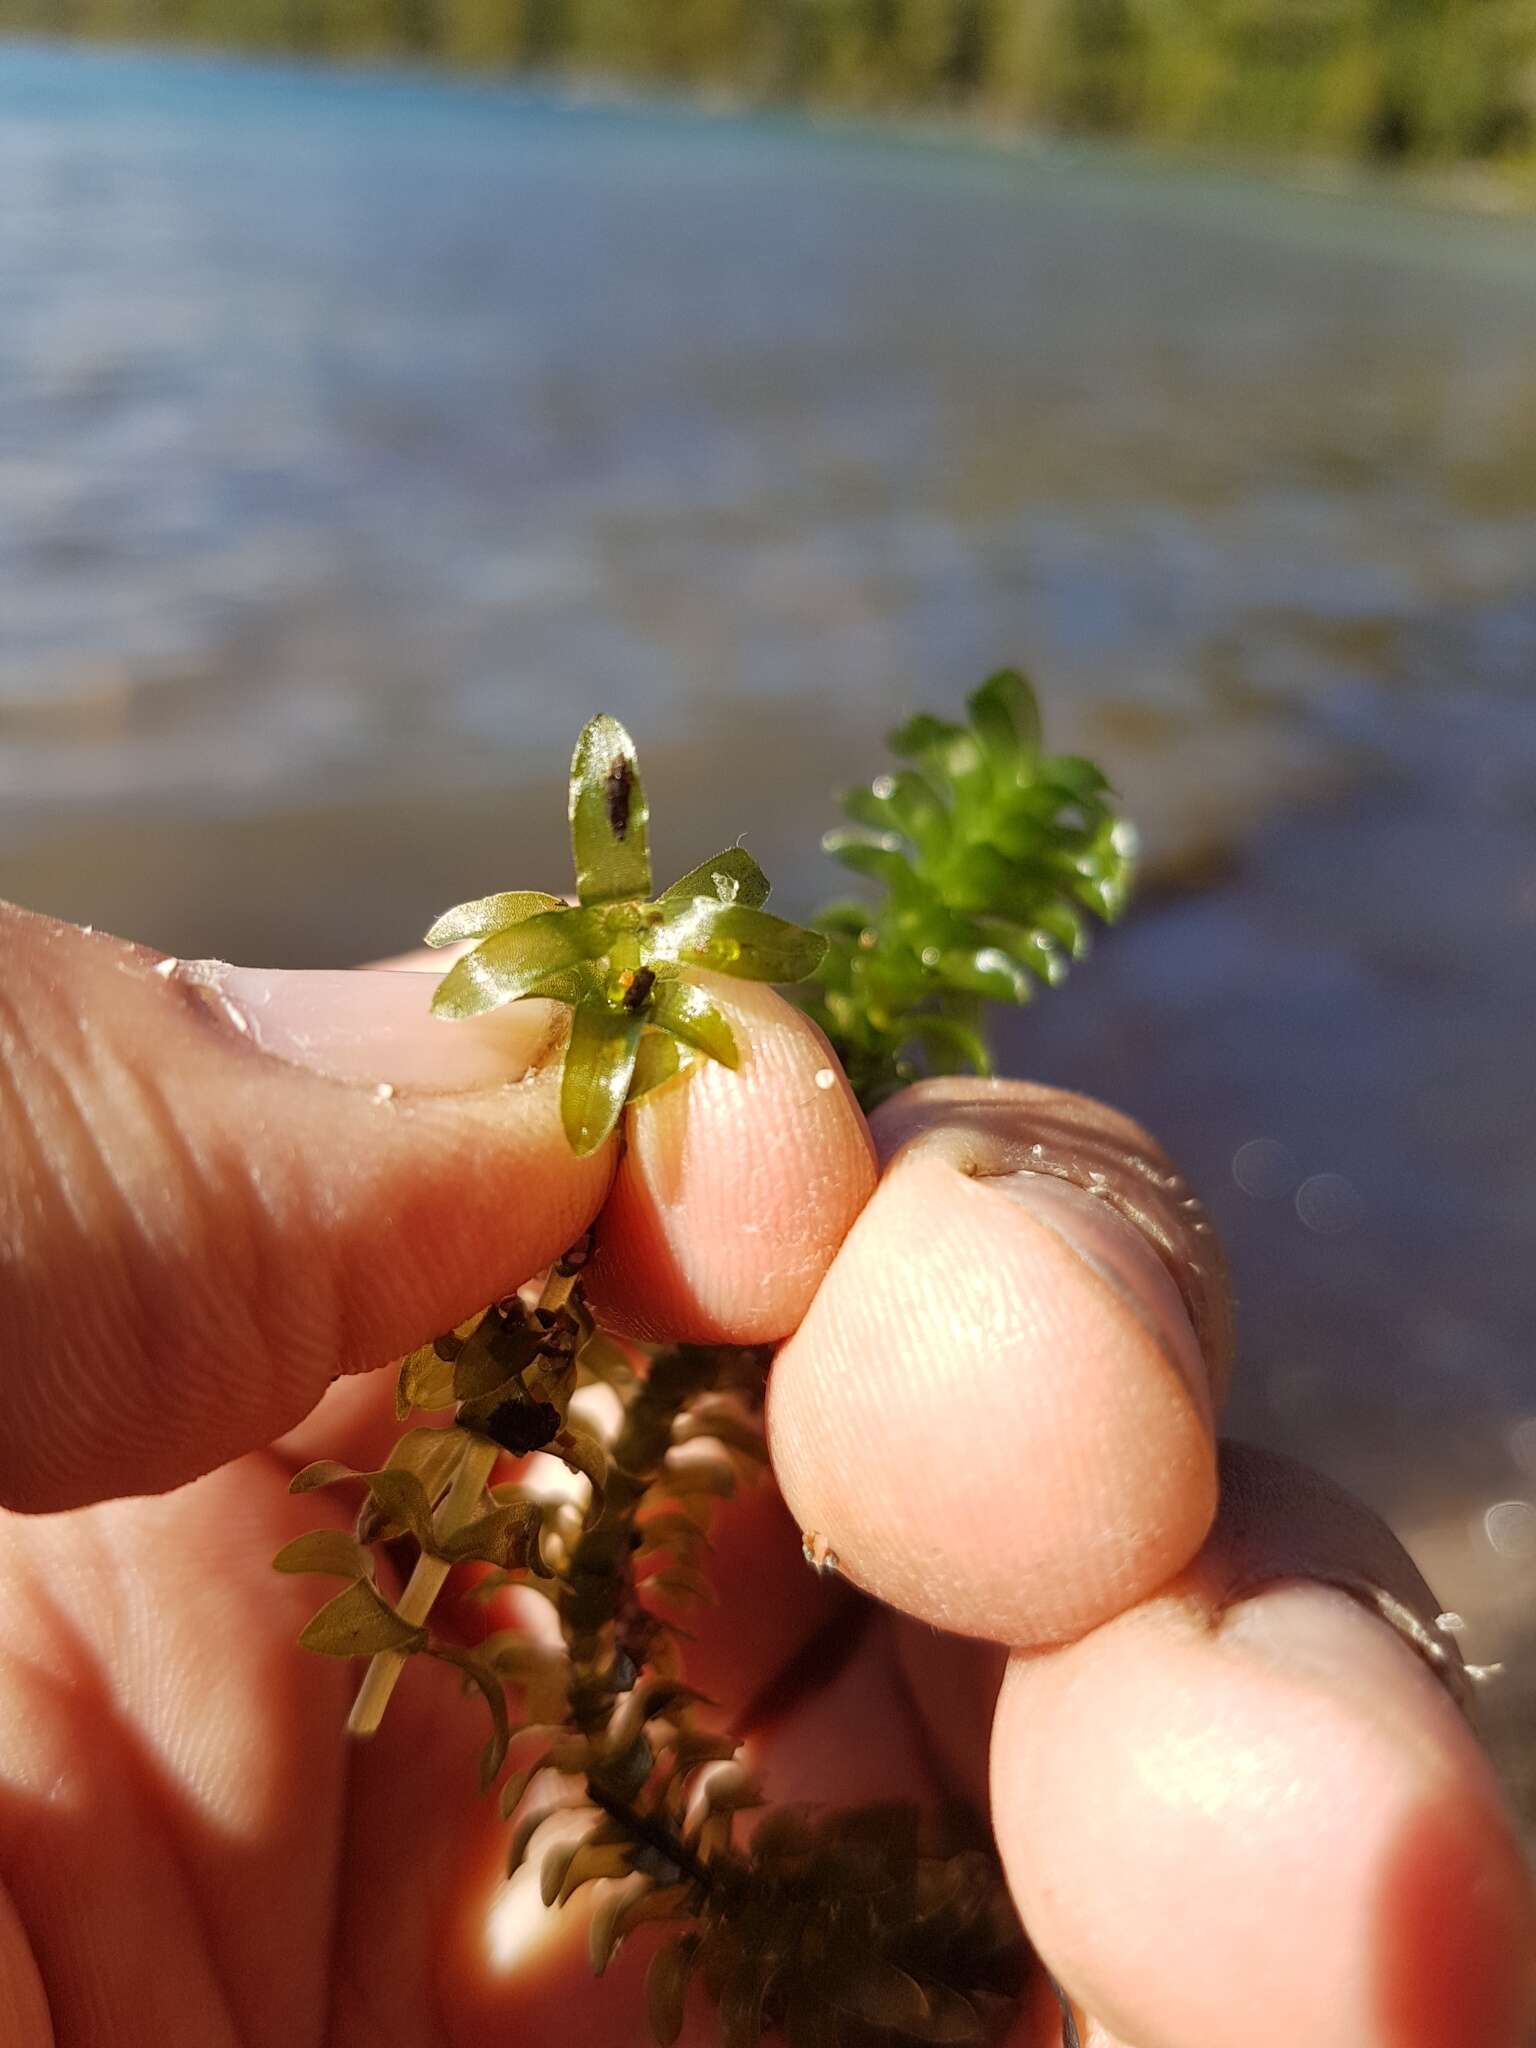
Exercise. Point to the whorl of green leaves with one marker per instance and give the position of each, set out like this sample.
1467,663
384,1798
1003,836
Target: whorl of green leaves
619,959
842,1929
991,857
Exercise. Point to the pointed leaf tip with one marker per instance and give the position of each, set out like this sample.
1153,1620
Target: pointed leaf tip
752,945
359,1623
610,818
688,1014
731,877
488,914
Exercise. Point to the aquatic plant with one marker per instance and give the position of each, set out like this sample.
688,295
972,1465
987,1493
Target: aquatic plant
857,1926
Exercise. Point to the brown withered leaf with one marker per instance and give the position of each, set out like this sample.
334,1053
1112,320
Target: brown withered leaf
741,2002
606,1929
674,1531
359,1623
593,1860
600,1358
332,1553
722,1424
877,1992
323,1472
478,1673
505,1537
527,1827
666,1987
516,1787
556,1862
808,2023
681,1583
401,1499
510,1416
434,1455
695,1746
695,1474
582,1452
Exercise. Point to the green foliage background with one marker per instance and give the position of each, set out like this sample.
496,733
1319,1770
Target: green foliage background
1430,80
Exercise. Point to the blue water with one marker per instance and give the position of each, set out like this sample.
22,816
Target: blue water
359,434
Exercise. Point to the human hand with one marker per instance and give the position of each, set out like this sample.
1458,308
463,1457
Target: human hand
1237,1810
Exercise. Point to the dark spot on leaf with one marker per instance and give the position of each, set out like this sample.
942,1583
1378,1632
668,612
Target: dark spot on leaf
617,791
639,988
522,1426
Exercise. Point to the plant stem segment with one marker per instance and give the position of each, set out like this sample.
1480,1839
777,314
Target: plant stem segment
460,1505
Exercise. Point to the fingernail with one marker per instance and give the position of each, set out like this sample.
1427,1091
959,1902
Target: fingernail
374,1025
1121,1257
1352,1635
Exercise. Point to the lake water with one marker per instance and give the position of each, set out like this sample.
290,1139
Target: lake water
359,435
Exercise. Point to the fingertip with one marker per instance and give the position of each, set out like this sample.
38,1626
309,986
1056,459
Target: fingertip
982,1415
735,1187
1251,1826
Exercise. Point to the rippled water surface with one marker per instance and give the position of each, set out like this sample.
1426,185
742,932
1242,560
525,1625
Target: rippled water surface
359,435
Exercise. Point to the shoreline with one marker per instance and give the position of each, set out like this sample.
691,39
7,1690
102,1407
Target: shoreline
1462,187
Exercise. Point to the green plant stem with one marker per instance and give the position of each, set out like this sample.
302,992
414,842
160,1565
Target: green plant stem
460,1505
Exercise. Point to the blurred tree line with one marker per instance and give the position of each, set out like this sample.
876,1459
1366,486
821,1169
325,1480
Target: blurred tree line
1430,79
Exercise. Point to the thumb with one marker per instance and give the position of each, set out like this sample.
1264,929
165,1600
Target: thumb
219,1187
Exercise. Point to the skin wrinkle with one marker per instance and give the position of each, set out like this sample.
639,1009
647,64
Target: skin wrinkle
990,1128
80,1671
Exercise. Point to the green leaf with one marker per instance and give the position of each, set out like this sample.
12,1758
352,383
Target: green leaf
333,1553
750,944
731,877
947,750
952,1045
570,984
426,1379
514,963
599,1062
903,800
666,1987
655,1063
360,1623
986,972
684,1010
881,855
1005,716
479,1674
609,816
489,914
